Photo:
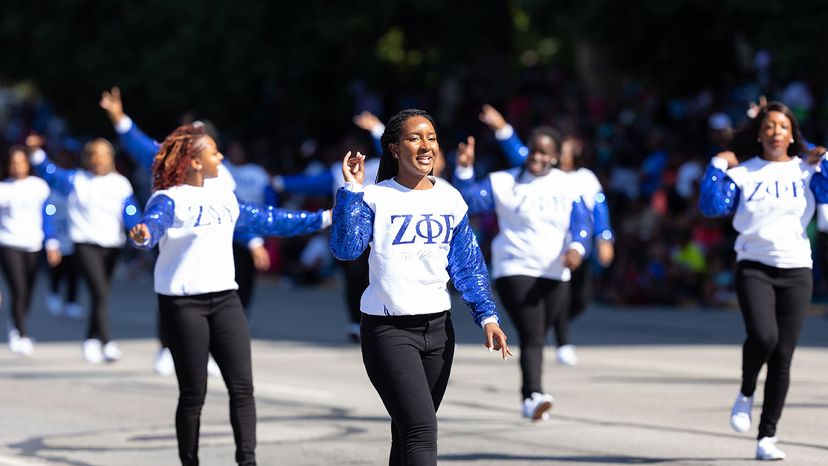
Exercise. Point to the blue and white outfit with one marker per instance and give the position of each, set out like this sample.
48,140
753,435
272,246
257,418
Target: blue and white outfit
100,209
591,191
420,239
772,204
200,310
540,218
25,228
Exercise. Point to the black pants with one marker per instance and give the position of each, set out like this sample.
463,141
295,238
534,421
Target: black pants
20,269
773,303
65,271
245,275
580,290
408,360
196,326
533,304
356,281
96,265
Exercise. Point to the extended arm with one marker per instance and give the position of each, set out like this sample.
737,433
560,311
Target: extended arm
469,274
353,223
158,217
273,221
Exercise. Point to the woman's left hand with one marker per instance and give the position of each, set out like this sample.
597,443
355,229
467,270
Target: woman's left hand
496,340
815,154
53,257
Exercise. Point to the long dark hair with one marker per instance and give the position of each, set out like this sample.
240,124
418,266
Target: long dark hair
745,144
388,167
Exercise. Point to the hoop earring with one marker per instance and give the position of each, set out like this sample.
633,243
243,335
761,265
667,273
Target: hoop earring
396,156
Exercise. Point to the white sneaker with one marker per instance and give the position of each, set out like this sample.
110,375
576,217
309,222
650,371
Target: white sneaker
740,413
566,355
766,450
25,346
111,352
73,310
14,340
164,364
536,407
54,304
213,368
92,351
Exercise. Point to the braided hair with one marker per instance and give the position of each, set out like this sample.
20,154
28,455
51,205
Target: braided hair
388,167
174,156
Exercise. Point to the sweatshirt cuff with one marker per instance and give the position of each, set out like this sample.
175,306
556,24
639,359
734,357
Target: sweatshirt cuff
353,187
256,242
490,320
123,125
277,183
719,163
578,247
504,133
377,130
37,157
464,173
52,244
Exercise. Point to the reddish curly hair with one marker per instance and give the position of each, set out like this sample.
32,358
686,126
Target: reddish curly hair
178,149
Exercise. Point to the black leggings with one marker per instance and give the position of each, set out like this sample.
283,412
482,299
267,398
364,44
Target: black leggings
533,305
20,269
580,289
195,326
356,281
65,271
773,303
408,360
96,264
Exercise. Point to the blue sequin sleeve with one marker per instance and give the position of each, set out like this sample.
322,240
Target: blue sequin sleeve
353,225
272,221
718,195
819,183
158,217
478,195
319,184
516,152
140,147
49,212
58,179
469,274
131,213
580,225
602,228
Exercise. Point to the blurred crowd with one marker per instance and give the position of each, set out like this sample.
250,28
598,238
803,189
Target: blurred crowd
648,150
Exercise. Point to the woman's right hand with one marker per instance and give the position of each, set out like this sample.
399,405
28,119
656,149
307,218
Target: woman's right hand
492,118
730,157
112,104
465,153
353,168
140,234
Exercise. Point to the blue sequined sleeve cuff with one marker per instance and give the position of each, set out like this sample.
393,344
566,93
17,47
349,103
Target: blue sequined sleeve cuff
718,195
158,216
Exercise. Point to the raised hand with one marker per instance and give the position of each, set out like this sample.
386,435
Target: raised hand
755,107
139,234
732,161
496,340
465,152
367,120
492,118
34,141
112,104
353,168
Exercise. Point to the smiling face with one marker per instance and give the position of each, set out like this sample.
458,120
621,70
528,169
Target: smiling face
209,158
18,165
775,134
100,158
416,150
542,153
